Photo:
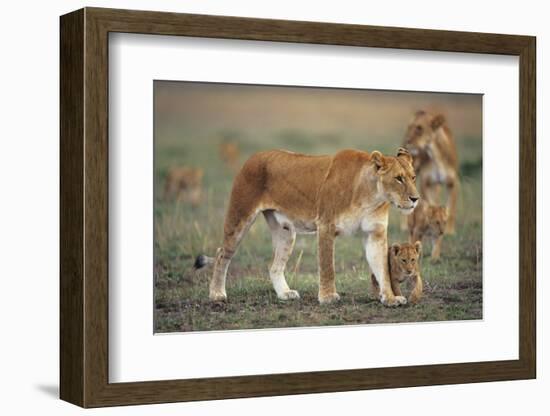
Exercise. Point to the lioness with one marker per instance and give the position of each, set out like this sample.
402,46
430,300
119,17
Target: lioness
329,195
184,183
404,264
428,221
433,148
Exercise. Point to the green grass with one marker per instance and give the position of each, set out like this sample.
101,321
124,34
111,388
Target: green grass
453,287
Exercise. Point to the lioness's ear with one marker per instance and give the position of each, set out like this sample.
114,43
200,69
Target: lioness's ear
378,160
395,249
418,247
404,153
438,121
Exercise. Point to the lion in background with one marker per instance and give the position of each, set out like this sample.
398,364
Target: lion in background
428,221
433,148
184,183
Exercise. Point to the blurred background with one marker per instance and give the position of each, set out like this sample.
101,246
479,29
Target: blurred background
210,129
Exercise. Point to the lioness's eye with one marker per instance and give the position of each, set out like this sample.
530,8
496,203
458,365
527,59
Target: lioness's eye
403,260
419,129
399,179
414,178
413,260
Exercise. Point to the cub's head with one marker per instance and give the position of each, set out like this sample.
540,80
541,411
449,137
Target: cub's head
421,131
404,260
396,179
436,220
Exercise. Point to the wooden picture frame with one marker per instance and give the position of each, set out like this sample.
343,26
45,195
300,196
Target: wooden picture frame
84,207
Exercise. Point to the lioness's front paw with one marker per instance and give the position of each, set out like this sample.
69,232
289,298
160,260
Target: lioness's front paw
393,300
329,298
218,296
289,295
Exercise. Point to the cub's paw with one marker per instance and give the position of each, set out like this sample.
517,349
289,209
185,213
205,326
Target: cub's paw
402,300
289,295
329,298
217,297
393,300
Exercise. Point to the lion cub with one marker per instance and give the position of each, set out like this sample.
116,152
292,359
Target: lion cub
428,221
185,184
404,263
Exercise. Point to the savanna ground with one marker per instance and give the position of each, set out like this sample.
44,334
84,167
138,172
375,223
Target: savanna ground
190,122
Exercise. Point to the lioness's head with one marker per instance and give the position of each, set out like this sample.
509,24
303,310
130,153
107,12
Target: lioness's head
396,179
404,260
421,131
436,220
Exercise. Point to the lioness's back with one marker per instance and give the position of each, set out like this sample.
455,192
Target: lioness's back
281,164
284,178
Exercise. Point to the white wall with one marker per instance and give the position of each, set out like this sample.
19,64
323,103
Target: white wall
29,208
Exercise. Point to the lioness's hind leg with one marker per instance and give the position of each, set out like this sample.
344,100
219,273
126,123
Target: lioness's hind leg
233,234
327,284
283,237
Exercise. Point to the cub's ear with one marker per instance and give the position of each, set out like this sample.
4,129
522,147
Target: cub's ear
437,121
379,161
405,154
419,113
395,248
418,247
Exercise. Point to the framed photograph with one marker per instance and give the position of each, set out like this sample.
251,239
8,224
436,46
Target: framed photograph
255,207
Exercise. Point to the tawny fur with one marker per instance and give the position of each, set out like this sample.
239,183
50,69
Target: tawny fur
433,147
327,195
404,264
184,184
428,221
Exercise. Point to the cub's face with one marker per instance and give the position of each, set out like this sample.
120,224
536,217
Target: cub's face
436,220
396,179
421,131
404,260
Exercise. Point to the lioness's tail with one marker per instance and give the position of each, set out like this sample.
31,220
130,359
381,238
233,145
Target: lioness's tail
202,261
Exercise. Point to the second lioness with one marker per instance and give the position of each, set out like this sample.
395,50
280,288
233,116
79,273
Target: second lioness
327,195
432,144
